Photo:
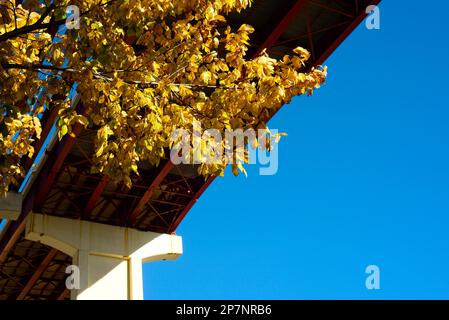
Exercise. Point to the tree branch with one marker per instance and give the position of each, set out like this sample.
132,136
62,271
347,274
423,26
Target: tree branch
38,25
27,29
97,75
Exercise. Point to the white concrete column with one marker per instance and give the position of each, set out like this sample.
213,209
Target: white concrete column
109,257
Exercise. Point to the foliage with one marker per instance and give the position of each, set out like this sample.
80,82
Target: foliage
143,68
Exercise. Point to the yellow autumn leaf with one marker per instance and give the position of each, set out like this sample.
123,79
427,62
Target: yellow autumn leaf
206,77
37,127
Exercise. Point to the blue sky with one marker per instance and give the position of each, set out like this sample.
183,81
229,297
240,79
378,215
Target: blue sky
363,179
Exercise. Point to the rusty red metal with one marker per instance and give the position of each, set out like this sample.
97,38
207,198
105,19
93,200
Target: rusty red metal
63,295
13,233
42,267
184,212
283,25
48,177
349,29
165,169
95,195
48,124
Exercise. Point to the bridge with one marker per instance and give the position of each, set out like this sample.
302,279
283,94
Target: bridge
64,214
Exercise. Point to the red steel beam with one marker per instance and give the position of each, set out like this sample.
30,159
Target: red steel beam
47,178
41,269
63,294
45,131
95,196
36,196
312,33
332,9
146,197
17,227
310,37
351,27
48,122
187,208
282,25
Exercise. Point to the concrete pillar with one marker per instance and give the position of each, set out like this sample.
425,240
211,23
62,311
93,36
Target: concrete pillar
109,257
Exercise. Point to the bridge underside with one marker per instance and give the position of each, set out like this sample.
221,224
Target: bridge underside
161,196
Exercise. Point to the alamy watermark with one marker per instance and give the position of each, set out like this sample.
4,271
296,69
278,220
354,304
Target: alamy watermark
73,280
372,22
372,282
73,17
228,147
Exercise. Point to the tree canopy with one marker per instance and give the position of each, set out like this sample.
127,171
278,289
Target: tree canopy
142,68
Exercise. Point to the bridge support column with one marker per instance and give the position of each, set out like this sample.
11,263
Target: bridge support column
109,258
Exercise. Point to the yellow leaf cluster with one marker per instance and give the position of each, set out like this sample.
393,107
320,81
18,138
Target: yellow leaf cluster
143,68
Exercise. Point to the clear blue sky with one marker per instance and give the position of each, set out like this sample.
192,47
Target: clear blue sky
363,179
